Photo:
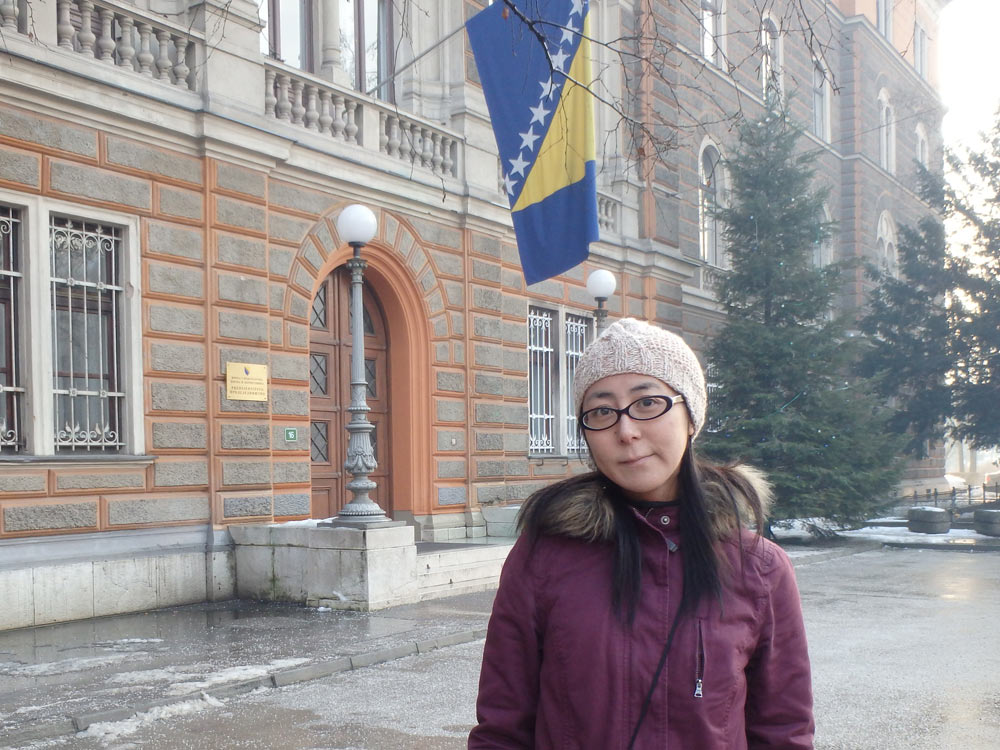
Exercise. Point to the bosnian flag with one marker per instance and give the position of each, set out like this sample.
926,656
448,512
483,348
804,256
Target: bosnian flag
535,67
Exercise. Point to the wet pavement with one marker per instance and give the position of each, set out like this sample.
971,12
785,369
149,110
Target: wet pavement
58,678
903,645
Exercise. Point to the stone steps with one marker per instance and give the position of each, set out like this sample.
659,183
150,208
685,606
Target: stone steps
465,569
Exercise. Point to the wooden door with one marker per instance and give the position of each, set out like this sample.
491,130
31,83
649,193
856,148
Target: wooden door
330,393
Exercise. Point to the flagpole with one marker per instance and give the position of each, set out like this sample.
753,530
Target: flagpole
427,51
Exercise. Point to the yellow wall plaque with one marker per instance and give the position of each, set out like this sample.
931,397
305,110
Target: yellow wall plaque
246,382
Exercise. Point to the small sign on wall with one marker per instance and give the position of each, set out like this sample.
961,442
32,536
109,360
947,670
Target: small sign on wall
291,434
246,382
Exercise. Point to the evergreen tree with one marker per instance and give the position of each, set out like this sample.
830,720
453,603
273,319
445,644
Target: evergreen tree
911,353
780,397
935,331
972,200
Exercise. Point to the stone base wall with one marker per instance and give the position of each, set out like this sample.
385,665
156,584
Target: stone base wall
58,579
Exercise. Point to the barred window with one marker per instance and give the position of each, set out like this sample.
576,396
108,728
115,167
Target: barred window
11,390
577,338
86,288
541,416
713,388
71,364
556,341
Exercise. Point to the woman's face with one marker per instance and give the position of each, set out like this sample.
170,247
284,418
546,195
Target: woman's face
641,457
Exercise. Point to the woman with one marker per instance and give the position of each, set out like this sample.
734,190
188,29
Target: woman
636,610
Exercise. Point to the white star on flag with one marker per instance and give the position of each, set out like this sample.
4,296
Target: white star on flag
559,61
547,87
577,7
568,33
528,139
517,165
538,114
508,184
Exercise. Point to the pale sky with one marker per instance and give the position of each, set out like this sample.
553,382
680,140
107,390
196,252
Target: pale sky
969,64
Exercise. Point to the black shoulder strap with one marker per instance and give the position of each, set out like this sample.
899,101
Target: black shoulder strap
656,678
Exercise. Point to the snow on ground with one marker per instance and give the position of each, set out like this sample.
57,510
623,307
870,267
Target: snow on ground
233,674
901,534
110,731
63,666
307,522
801,530
166,674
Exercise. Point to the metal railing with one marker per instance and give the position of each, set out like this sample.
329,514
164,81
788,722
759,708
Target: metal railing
957,497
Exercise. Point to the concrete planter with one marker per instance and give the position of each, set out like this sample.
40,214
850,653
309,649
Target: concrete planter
987,522
928,520
342,568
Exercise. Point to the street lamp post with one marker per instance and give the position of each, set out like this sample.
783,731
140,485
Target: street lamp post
601,284
357,225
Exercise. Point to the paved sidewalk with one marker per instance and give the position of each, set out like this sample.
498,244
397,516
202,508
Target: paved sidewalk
59,679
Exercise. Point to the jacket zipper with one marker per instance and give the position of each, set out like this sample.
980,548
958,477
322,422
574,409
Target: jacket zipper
699,664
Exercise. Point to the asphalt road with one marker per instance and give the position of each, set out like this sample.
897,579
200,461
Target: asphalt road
903,642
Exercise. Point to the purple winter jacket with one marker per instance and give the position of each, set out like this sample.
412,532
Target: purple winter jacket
561,671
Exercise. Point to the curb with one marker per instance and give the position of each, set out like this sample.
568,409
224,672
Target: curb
977,546
283,678
851,548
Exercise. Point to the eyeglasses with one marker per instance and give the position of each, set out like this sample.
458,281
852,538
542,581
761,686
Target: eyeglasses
643,409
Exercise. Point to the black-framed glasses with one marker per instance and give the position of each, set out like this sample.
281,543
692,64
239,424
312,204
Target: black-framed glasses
642,409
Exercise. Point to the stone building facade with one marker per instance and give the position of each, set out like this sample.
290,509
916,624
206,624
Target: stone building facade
170,178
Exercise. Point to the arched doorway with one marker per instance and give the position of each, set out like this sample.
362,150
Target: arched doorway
330,393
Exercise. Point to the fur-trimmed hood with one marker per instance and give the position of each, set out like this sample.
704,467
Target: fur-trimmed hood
582,507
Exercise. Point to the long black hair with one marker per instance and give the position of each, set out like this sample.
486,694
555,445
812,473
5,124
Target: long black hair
704,523
701,553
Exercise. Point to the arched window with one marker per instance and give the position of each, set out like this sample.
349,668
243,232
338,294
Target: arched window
923,152
823,250
710,197
886,254
770,62
886,133
821,102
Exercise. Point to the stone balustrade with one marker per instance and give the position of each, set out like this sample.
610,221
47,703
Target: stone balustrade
126,38
327,109
607,213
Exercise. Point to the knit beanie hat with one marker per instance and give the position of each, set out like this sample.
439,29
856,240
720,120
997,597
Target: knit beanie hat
634,346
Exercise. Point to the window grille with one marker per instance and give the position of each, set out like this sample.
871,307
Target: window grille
541,414
85,302
713,423
11,390
577,338
317,318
